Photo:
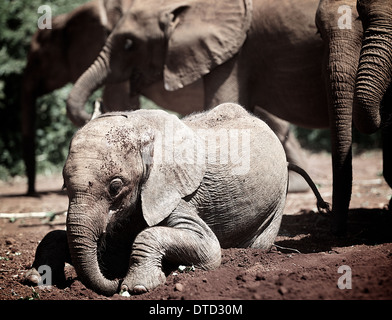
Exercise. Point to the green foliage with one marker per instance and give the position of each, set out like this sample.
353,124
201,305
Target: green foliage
319,139
313,139
34,295
55,130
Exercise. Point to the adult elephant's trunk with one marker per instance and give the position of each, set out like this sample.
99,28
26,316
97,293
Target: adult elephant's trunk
340,87
93,78
375,65
85,226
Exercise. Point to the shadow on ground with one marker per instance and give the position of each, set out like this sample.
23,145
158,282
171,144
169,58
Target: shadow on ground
309,232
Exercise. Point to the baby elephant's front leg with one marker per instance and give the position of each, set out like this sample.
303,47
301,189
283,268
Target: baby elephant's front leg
185,239
53,253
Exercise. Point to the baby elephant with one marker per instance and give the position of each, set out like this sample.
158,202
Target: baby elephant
146,188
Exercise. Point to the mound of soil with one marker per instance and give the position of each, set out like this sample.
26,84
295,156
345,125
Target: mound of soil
307,262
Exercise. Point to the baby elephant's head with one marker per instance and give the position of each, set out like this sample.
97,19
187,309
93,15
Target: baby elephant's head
117,182
104,169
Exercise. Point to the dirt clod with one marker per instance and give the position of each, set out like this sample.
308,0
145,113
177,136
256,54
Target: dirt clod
283,290
179,287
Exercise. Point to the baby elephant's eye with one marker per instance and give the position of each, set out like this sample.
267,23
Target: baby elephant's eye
115,186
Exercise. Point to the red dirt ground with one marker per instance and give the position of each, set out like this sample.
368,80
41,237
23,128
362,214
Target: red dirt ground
303,265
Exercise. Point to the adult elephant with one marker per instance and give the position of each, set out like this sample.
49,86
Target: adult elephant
60,55
256,53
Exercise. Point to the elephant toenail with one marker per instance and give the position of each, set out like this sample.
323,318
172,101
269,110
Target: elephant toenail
33,277
139,289
124,288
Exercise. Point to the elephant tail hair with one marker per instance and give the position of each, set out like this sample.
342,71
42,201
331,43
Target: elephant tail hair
323,207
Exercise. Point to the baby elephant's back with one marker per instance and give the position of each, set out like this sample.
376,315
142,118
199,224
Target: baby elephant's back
246,180
235,138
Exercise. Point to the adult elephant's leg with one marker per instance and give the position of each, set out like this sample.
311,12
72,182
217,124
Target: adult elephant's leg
340,77
28,114
294,152
339,71
185,239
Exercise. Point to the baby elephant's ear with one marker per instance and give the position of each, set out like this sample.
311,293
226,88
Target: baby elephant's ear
175,168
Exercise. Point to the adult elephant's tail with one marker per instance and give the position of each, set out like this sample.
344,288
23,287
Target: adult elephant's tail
322,206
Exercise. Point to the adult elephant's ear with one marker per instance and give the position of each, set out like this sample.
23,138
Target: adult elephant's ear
175,166
201,35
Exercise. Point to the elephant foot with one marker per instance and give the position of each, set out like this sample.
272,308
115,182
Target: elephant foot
297,183
139,282
32,277
138,289
32,193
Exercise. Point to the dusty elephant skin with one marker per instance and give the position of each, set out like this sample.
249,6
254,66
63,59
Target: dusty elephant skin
372,108
146,188
358,92
374,77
